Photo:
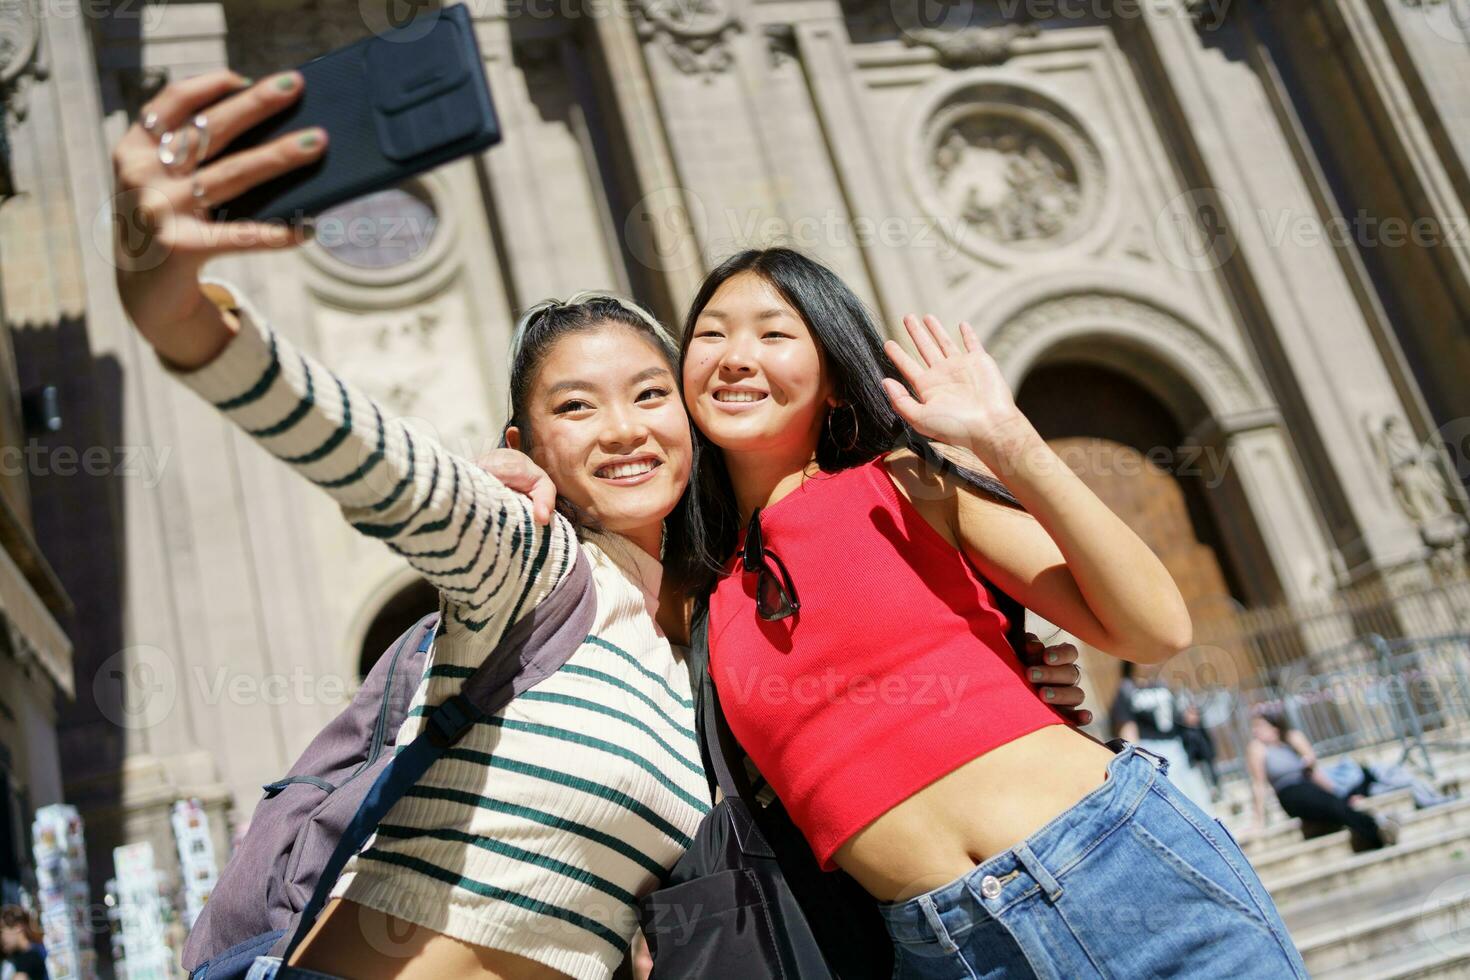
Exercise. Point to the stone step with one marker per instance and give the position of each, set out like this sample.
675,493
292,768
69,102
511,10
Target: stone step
1303,855
1310,916
1445,850
1415,961
1288,830
1441,918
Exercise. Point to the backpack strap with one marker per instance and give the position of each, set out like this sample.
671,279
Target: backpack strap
718,745
531,650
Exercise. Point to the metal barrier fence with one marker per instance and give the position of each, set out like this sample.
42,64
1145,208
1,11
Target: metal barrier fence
1363,668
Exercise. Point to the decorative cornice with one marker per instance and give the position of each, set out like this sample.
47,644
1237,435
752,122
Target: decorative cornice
972,45
693,33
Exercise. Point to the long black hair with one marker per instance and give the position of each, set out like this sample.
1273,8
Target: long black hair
544,325
865,427
1277,720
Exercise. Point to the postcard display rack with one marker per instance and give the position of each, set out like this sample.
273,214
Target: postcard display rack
140,911
60,851
196,857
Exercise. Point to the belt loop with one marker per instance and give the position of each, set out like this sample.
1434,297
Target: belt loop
1037,870
1161,763
937,925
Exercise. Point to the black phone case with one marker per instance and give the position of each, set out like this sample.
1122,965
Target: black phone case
393,105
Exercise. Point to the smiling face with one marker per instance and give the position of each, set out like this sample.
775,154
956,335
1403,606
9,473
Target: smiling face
755,379
609,429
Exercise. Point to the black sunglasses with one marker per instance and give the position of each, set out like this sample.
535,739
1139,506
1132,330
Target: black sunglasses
775,596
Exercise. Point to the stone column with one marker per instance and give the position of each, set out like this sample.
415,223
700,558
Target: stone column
1321,358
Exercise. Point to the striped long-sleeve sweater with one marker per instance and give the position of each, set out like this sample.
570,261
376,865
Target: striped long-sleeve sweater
536,833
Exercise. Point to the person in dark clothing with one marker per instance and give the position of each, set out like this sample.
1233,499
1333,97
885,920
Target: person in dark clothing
1146,712
1198,745
1281,757
19,945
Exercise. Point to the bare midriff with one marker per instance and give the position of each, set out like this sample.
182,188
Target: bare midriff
352,940
985,807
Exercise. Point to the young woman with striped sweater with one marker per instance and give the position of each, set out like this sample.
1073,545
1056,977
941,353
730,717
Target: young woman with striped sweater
522,853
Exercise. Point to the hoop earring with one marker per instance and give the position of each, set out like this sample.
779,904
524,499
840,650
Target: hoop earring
852,443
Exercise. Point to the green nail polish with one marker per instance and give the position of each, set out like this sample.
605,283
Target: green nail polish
286,82
309,140
1050,694
1036,675
1051,658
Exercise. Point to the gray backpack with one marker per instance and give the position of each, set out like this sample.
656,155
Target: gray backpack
311,822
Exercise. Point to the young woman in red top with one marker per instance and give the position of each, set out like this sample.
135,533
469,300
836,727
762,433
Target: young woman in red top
861,660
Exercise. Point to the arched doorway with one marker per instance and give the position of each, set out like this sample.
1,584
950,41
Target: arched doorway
1125,444
409,605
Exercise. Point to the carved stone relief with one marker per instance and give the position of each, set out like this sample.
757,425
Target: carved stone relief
1011,183
693,33
972,45
20,35
1006,172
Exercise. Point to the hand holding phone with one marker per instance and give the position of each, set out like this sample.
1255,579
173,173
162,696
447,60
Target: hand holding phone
345,124
162,232
395,104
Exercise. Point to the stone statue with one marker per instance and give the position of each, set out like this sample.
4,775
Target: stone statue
1420,488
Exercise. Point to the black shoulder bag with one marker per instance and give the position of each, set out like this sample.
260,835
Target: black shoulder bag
747,900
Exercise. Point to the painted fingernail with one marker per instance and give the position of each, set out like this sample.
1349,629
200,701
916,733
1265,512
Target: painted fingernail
309,139
1050,694
286,81
1051,658
244,80
1036,675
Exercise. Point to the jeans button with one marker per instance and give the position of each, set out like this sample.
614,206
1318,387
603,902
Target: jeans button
990,886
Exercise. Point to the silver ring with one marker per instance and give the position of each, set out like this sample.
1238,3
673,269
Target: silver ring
182,149
169,153
201,126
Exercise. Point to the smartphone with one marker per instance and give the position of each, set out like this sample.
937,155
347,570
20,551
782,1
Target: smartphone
394,104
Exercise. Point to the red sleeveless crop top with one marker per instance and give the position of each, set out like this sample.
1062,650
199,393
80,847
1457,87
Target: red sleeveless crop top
894,672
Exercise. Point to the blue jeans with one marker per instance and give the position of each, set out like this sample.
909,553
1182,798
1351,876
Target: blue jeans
270,968
1133,881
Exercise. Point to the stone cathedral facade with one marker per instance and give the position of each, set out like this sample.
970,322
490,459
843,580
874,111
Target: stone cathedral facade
1220,248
